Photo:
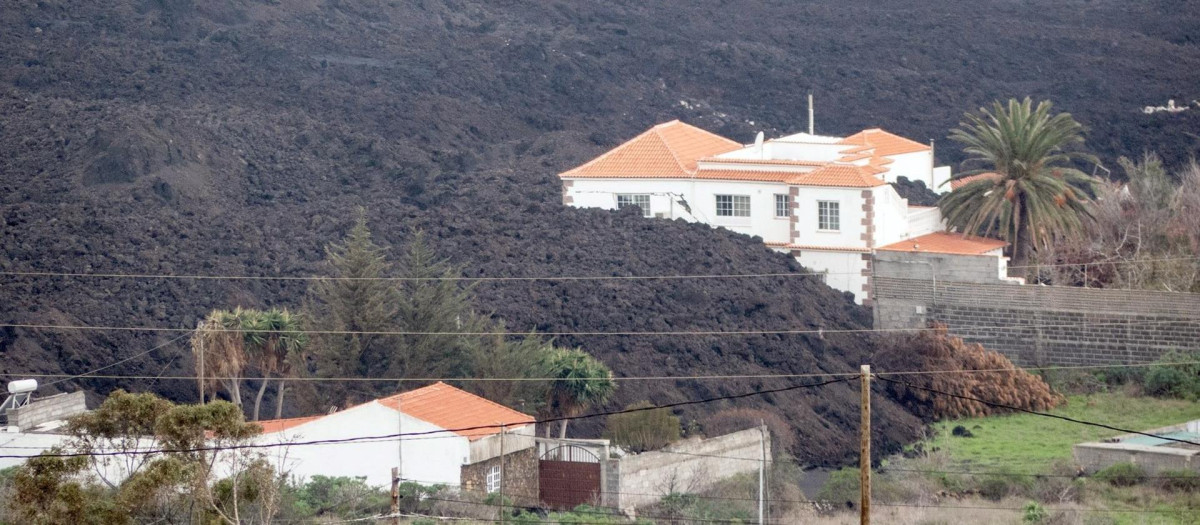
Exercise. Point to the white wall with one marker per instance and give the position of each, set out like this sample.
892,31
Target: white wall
891,216
436,459
850,233
699,194
845,269
941,179
917,165
922,221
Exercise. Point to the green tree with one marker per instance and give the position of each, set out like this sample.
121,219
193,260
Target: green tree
578,381
219,347
357,299
273,340
180,485
1036,196
436,310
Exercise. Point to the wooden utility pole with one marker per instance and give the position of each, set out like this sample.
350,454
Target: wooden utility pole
864,442
395,495
200,340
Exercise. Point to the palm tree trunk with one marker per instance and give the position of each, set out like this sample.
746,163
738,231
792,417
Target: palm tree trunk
236,390
262,387
279,390
562,432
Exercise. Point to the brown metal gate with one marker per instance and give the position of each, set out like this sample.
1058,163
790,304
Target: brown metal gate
568,476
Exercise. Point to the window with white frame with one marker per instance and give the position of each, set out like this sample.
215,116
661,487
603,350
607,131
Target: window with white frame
641,200
493,479
781,205
733,205
829,216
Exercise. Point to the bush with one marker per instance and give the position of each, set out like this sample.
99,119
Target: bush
1179,381
1003,483
841,489
1034,513
1179,481
644,430
1122,475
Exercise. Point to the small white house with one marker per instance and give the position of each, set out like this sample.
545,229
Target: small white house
825,200
440,413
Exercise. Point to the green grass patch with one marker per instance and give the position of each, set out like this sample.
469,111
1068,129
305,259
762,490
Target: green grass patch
1027,442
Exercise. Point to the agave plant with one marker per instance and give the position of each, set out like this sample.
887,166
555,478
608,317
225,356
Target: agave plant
1034,195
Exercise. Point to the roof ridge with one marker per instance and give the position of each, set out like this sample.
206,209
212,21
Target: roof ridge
667,144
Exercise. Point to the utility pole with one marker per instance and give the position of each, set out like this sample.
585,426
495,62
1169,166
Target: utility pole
864,441
762,474
200,340
395,495
502,473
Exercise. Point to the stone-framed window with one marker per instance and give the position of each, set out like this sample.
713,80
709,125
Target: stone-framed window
829,216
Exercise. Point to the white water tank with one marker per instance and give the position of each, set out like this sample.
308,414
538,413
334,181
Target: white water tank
22,386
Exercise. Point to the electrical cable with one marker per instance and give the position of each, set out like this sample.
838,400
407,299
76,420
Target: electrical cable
1036,413
402,435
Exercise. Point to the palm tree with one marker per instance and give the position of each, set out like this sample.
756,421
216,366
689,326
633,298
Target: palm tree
579,381
271,337
218,338
1035,195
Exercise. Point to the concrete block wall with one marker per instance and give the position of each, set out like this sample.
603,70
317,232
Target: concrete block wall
1032,325
1094,457
688,467
43,410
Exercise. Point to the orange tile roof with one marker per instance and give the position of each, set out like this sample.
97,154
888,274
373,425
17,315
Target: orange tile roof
839,176
746,175
958,183
451,408
781,162
278,425
666,150
885,143
943,242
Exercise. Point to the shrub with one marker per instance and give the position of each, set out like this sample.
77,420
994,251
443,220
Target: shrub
1122,475
1003,483
841,489
937,350
1179,480
1178,381
644,430
1033,513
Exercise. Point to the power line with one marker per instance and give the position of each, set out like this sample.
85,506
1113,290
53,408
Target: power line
817,331
110,365
412,279
1043,414
715,377
403,435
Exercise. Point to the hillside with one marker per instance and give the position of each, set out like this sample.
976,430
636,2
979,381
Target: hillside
236,137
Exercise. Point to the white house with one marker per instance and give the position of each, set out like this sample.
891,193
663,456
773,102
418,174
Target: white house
825,200
439,413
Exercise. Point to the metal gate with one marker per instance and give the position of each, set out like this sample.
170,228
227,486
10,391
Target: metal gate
568,476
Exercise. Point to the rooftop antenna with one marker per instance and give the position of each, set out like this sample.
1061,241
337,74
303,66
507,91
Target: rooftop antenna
810,114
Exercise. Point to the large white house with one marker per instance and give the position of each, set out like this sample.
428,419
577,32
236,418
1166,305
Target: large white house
826,200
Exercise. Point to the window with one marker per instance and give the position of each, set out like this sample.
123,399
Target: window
493,479
829,216
781,205
733,205
641,200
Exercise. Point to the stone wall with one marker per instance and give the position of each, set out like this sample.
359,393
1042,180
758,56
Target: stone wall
690,466
521,477
1032,325
53,408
